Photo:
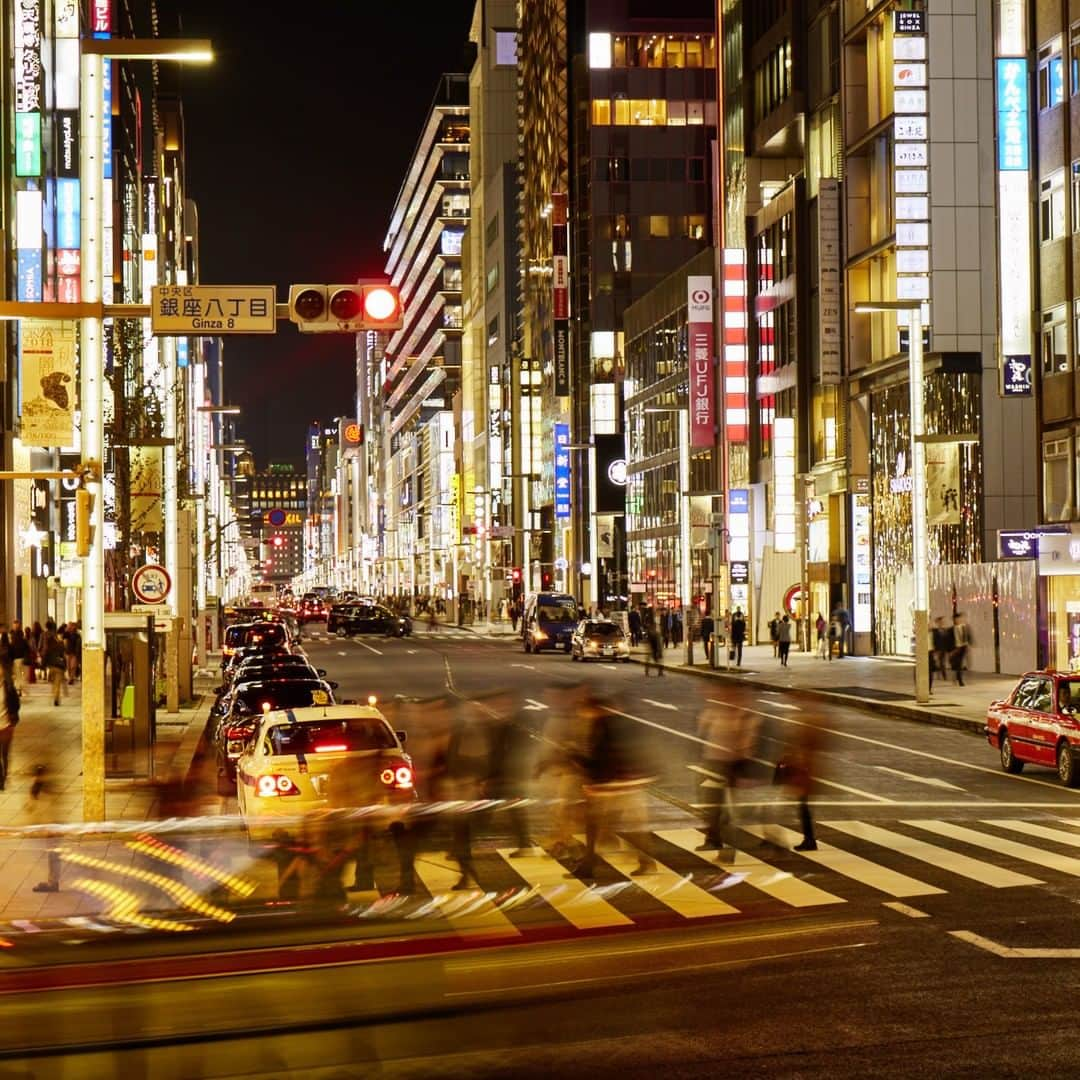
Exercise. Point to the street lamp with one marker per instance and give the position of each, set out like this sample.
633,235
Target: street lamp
919,541
93,211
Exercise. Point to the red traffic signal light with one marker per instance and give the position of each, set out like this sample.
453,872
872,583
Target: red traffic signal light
345,308
278,541
515,575
381,303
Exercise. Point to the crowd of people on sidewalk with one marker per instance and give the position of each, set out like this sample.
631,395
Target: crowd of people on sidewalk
48,653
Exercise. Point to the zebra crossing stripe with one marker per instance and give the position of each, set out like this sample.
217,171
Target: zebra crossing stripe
767,879
853,866
572,899
475,914
1063,864
673,890
943,858
1058,836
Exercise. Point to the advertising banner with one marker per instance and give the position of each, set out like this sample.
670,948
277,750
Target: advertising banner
943,484
562,471
146,485
47,379
699,300
562,358
610,473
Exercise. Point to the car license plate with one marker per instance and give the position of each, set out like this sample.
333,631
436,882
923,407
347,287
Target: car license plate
607,650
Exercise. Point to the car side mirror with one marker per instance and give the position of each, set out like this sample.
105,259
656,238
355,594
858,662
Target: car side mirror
321,672
332,685
402,736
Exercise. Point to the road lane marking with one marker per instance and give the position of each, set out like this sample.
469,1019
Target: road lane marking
781,705
1058,836
464,910
706,772
660,704
895,746
1063,864
532,705
571,898
1010,953
943,858
853,866
370,648
760,761
906,909
609,667
778,884
673,890
928,780
527,667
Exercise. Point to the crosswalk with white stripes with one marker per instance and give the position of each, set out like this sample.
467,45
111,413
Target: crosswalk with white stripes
855,861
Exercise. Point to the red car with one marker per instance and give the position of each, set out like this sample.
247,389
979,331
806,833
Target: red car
1039,723
311,609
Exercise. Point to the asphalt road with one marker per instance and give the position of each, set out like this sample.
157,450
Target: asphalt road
933,933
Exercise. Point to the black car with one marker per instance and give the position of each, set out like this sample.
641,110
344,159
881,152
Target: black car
229,664
365,618
243,708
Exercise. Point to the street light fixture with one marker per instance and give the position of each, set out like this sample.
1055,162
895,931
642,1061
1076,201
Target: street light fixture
92,208
919,539
229,448
222,410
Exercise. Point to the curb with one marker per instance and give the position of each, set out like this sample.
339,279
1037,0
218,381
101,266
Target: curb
912,713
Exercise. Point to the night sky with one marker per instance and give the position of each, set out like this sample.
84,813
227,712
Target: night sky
298,138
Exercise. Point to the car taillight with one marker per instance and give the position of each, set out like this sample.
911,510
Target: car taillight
398,776
227,651
237,733
331,748
270,786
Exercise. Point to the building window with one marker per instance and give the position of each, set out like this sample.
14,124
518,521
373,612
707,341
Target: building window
1052,207
676,113
1051,76
1055,356
695,112
506,48
493,331
695,170
659,225
1074,59
493,278
491,233
601,112
1057,480
1075,192
599,50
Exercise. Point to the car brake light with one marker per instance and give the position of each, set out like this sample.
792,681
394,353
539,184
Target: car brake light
399,776
236,733
330,748
270,786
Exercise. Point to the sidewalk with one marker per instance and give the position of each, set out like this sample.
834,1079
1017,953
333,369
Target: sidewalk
879,684
51,735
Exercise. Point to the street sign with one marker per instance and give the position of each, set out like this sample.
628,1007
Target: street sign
209,310
276,517
151,584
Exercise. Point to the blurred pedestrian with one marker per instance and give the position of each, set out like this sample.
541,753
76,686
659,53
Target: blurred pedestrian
821,627
783,639
9,718
615,775
653,646
18,651
707,628
73,652
718,729
843,621
55,663
667,620
558,770
36,641
941,637
795,770
960,644
774,634
633,620
467,763
738,636
510,767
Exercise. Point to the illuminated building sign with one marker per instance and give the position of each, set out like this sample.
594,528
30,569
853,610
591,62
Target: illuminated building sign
733,331
67,214
1017,545
1012,113
28,56
784,483
829,281
562,470
28,144
862,607
699,316
1016,376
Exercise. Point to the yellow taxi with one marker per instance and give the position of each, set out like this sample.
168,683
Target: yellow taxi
334,756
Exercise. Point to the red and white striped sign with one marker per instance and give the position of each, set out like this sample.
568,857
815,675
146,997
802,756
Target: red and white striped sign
733,330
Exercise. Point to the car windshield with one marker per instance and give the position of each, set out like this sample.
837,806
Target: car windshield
270,634
556,612
603,630
286,695
359,733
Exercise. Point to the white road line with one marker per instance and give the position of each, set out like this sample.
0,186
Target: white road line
660,704
853,866
464,911
1063,864
777,883
895,746
527,667
370,648
761,761
943,858
782,705
906,909
570,897
673,890
609,667
706,772
928,780
532,705
1010,953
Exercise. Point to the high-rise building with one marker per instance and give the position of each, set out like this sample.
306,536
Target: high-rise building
278,495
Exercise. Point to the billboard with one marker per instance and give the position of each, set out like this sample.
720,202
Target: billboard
702,381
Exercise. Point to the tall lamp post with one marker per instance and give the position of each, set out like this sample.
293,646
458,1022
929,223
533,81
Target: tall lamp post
94,53
919,538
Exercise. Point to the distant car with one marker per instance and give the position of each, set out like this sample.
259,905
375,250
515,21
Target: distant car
306,759
599,639
362,617
245,705
1039,723
311,609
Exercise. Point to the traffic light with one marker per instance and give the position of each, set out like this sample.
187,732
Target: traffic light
278,541
515,575
321,309
84,530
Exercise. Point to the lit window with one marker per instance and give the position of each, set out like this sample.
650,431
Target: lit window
695,112
659,225
505,48
599,50
1074,59
1051,76
1055,356
601,112
1057,480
